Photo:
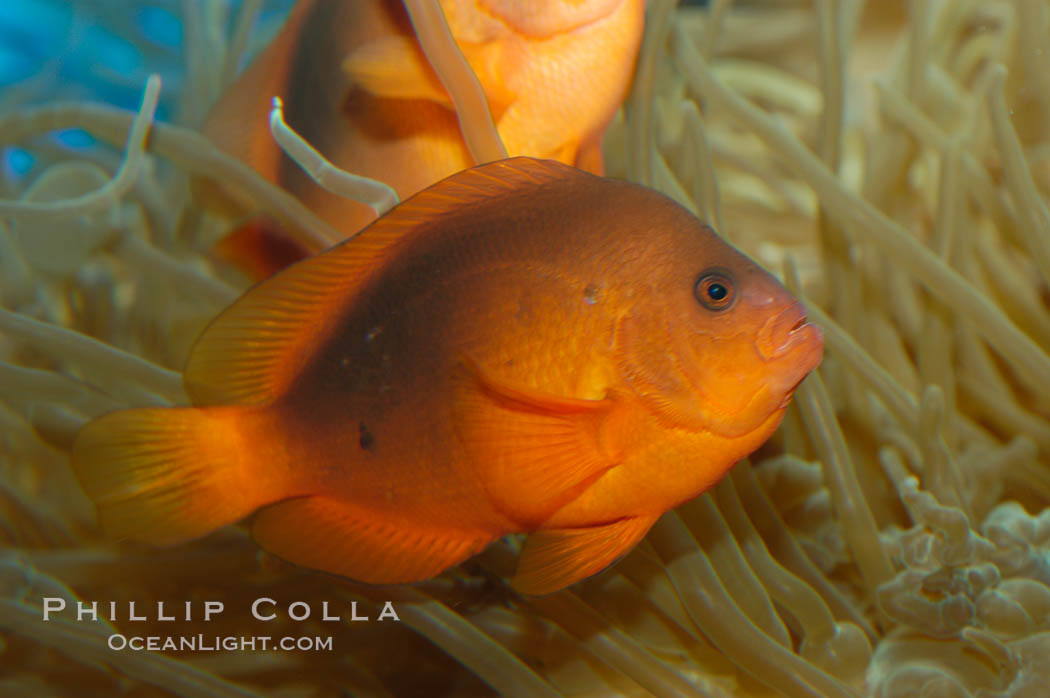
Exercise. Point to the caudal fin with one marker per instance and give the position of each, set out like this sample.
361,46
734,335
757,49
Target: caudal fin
165,475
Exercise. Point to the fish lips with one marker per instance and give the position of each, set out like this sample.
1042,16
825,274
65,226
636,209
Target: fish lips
789,349
787,336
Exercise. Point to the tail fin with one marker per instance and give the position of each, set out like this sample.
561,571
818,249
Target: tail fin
165,475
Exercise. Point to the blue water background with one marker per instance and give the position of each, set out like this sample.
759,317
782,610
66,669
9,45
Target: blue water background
105,48
102,50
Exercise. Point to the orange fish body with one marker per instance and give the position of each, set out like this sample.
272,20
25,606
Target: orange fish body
357,87
522,347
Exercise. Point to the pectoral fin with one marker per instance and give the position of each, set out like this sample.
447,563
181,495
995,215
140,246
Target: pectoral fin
536,451
554,559
395,68
498,65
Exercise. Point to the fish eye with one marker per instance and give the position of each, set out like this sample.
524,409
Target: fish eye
714,290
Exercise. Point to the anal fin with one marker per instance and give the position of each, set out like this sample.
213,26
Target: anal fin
325,534
553,559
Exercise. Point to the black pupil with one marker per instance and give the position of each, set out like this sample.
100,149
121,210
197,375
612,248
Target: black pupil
717,291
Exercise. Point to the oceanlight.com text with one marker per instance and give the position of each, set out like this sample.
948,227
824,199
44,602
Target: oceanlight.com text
216,643
262,608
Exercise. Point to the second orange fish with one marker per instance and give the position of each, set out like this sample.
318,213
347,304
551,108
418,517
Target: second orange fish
357,86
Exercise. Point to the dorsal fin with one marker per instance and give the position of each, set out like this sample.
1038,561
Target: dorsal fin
238,123
255,348
476,184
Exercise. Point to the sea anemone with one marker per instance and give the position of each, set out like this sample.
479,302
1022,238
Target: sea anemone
890,162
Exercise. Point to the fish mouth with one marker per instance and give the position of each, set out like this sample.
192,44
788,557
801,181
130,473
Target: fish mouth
796,345
788,331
